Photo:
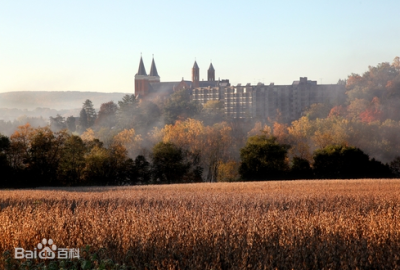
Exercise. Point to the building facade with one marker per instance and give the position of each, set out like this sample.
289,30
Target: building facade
269,101
149,85
242,102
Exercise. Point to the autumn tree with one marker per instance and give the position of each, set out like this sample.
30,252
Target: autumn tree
263,158
217,149
18,152
338,111
72,162
130,140
373,112
317,110
300,133
88,135
259,129
381,82
280,132
105,166
44,154
356,107
96,169
204,146
228,171
118,170
36,152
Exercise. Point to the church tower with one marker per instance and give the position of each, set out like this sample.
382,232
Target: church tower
153,76
211,73
196,75
141,80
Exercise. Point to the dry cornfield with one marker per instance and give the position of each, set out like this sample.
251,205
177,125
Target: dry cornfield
335,224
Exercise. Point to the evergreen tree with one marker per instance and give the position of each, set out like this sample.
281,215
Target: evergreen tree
179,106
57,123
71,124
127,112
83,124
90,112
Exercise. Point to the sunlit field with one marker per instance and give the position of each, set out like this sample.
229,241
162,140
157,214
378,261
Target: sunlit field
260,225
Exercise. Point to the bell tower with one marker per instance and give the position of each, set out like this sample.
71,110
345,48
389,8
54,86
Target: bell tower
211,73
195,75
141,80
153,75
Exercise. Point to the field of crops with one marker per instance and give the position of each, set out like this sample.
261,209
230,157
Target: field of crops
263,225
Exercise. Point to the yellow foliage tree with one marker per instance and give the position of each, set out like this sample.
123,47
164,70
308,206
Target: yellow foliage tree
129,140
228,171
210,144
300,133
259,129
88,135
281,133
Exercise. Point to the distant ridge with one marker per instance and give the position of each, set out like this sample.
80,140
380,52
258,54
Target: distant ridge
60,100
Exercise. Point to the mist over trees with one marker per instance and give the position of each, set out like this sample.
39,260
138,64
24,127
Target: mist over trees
175,139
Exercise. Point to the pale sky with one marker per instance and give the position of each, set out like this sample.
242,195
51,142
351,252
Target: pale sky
90,45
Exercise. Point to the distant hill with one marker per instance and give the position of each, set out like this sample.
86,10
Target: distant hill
59,100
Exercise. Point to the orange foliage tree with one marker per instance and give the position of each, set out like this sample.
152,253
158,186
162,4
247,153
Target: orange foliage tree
373,112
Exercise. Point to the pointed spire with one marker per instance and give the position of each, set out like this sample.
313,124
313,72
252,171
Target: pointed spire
195,65
211,73
153,69
142,70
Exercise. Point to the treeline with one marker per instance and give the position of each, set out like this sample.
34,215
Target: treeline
263,158
8,127
40,157
179,140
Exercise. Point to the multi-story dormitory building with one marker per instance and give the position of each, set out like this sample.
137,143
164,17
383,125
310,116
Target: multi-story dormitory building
248,101
266,101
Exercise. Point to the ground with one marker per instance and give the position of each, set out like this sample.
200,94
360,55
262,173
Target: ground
306,224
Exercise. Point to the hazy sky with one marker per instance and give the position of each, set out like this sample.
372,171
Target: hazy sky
95,45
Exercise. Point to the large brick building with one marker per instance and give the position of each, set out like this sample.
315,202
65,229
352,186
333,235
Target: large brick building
149,85
249,101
